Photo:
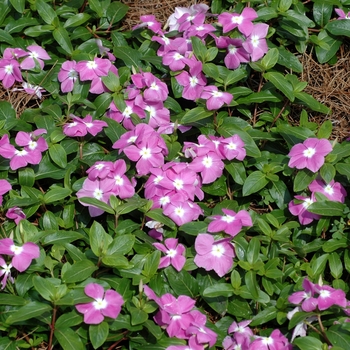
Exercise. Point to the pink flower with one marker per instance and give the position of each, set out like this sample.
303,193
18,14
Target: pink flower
231,223
5,186
256,44
334,191
193,82
14,53
174,314
232,148
215,98
31,89
9,72
67,76
241,328
276,341
214,255
181,210
300,209
16,214
342,14
310,154
89,70
22,256
174,59
150,22
5,273
242,21
236,54
305,297
36,54
80,127
105,304
174,254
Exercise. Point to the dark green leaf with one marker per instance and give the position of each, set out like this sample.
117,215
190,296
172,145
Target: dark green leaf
279,81
79,271
77,20
68,339
46,11
327,208
56,195
194,115
339,27
308,343
182,282
254,183
62,37
28,311
98,334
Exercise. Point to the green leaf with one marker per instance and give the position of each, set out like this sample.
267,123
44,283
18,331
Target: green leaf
18,25
294,134
79,271
339,27
62,237
322,12
194,115
98,334
182,282
289,60
116,260
151,264
121,244
44,287
237,171
68,339
270,59
130,56
264,316
280,82
339,336
199,48
157,215
280,194
97,203
343,169
62,37
28,311
19,5
251,284
116,11
318,265
335,265
99,239
219,289
254,183
58,155
114,130
327,208
13,300
324,55
312,103
194,228
26,177
327,172
253,251
56,195
303,180
138,316
334,244
95,5
38,30
308,343
77,20
45,11
6,37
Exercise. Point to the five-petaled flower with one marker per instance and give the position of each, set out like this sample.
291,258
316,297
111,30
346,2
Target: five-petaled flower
174,254
310,154
105,304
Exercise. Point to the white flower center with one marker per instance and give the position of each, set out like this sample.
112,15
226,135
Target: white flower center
307,202
132,139
179,212
178,184
216,93
218,250
9,69
166,40
99,166
118,180
16,250
127,112
325,293
158,179
232,49
70,125
309,152
21,153
72,74
33,54
200,28
164,200
99,304
7,268
267,340
151,110
177,56
91,64
176,317
145,153
237,19
207,162
171,253
228,218
154,86
329,189
32,145
255,40
232,145
193,81
89,125
98,194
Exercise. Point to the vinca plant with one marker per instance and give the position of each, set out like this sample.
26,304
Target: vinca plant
155,189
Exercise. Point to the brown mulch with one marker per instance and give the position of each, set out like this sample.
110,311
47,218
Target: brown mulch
330,85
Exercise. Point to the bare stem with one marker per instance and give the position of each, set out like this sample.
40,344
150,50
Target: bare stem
52,327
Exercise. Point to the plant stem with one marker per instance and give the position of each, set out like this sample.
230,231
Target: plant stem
323,330
52,327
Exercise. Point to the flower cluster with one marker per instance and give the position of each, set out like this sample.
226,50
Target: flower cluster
32,147
21,258
104,180
106,304
181,320
15,60
81,127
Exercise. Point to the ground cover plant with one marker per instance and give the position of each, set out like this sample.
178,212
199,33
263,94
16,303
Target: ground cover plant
155,193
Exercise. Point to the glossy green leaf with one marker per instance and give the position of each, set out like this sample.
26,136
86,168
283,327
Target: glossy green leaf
339,27
270,59
31,310
13,300
182,282
279,81
251,284
303,179
264,316
77,20
254,183
62,37
56,195
98,334
44,287
45,11
97,203
194,115
99,239
79,271
327,208
68,339
219,289
308,343
130,56
335,265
